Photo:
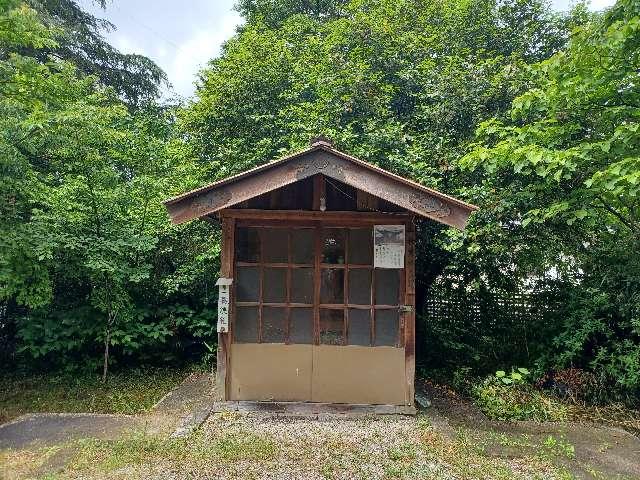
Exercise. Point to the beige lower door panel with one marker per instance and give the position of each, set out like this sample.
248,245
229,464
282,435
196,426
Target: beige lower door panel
352,374
268,371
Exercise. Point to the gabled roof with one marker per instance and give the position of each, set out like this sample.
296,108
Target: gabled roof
320,158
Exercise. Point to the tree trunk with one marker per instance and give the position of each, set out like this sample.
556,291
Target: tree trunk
105,366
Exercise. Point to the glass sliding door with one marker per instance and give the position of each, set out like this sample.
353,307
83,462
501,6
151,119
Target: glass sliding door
305,296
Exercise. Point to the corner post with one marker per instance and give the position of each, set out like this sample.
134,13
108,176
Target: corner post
224,338
410,316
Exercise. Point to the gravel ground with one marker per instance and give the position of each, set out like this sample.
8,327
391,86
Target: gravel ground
331,447
261,446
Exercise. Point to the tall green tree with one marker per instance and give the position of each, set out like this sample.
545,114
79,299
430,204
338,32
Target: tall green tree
82,179
565,165
403,81
135,78
276,12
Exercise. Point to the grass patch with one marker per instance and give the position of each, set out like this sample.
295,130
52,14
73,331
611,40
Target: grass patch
236,446
466,455
557,447
127,392
244,446
139,448
16,464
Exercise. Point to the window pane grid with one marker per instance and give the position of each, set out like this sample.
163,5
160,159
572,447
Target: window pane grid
334,306
345,288
288,284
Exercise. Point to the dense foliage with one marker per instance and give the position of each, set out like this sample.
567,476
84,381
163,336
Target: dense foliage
565,164
531,114
512,397
275,12
88,259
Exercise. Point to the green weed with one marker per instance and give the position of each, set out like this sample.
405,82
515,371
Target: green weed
512,397
557,447
140,448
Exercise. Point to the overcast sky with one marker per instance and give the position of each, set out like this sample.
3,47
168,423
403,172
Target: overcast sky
182,36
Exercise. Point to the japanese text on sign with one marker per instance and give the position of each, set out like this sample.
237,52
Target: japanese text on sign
224,285
388,246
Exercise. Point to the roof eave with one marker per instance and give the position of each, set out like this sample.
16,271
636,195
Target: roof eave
277,180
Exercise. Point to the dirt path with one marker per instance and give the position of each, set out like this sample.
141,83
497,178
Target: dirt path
47,429
195,392
44,429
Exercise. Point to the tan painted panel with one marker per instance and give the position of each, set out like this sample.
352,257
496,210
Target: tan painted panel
268,371
352,374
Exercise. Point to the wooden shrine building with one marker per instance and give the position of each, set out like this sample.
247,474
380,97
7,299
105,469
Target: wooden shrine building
317,277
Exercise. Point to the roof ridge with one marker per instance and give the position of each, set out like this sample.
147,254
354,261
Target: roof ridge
320,144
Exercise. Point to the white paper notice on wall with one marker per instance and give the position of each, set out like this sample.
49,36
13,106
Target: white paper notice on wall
388,246
224,285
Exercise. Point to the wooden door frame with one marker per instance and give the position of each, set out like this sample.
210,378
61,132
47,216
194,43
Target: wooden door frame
231,218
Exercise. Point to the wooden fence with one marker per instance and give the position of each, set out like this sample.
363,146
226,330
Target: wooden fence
484,328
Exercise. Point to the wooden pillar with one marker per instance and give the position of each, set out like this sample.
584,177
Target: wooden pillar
319,191
224,339
410,317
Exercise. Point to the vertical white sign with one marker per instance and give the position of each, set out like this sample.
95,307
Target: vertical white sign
388,246
224,285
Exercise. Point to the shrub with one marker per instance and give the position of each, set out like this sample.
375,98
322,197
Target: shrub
573,384
512,397
463,380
